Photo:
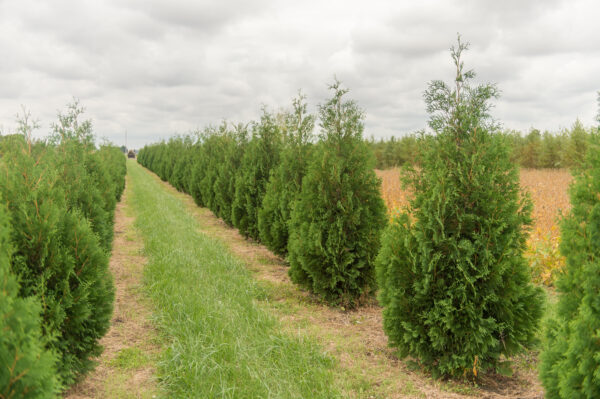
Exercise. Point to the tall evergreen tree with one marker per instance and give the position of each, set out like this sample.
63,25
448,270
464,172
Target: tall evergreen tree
453,281
260,157
338,217
286,180
570,362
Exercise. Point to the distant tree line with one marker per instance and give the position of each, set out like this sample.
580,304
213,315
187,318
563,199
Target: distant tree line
564,149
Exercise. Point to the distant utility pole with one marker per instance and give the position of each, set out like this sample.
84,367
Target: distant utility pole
126,146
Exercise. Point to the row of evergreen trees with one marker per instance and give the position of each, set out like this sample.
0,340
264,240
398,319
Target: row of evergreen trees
455,288
316,201
564,149
57,203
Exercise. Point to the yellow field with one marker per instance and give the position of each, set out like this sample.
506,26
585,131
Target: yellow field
549,191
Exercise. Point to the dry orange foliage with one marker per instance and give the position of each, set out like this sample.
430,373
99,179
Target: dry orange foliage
549,192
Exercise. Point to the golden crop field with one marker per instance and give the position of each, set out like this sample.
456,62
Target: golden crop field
549,192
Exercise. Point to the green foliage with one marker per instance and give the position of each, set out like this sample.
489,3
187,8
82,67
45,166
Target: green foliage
285,183
338,217
27,369
57,256
453,281
570,361
61,199
260,157
233,145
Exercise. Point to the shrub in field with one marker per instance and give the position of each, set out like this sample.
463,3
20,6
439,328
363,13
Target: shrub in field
57,256
260,157
206,168
286,180
338,217
198,169
570,360
182,171
27,368
233,144
455,288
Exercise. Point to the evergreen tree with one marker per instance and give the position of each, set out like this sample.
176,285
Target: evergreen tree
286,180
453,281
27,369
338,217
260,157
570,360
57,256
233,145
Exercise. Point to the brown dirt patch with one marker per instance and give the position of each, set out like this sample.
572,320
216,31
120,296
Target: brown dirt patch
130,329
368,368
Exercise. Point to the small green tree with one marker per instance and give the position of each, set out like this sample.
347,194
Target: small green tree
286,180
453,281
233,145
338,217
27,369
570,360
260,157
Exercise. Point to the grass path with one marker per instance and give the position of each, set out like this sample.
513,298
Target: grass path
127,365
221,341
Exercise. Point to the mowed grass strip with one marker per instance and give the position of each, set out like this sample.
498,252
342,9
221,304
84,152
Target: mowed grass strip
221,342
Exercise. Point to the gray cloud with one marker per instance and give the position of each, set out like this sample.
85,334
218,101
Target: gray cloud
156,68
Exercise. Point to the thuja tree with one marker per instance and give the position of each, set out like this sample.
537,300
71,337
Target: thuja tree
57,256
260,157
570,360
454,285
233,145
286,180
339,214
28,369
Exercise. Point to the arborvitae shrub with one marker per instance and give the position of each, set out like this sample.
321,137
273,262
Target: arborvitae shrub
339,215
27,368
57,256
260,157
181,150
198,169
206,169
571,357
454,285
233,144
286,180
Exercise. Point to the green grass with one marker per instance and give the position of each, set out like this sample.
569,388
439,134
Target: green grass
221,342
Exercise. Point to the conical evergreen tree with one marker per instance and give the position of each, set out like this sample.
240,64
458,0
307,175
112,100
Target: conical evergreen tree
285,182
260,157
338,217
570,361
453,281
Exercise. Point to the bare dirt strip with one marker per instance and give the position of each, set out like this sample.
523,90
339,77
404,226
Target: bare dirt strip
126,367
367,367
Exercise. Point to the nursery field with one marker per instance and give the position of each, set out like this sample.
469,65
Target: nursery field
328,350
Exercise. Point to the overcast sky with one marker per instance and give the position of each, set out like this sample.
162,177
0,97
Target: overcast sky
156,68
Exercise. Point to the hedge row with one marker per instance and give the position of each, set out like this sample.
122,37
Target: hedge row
59,198
318,201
